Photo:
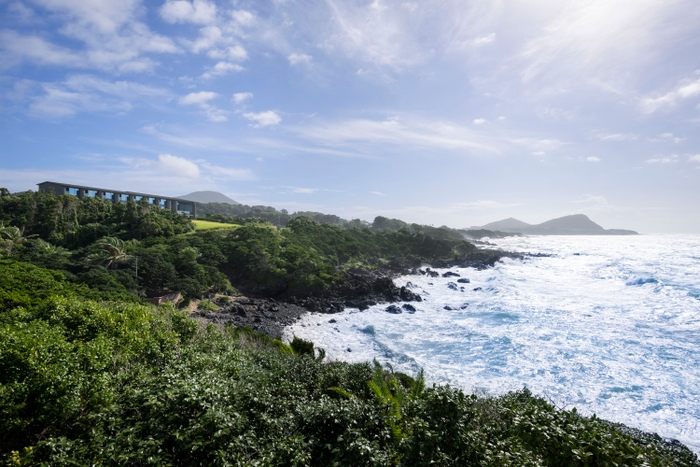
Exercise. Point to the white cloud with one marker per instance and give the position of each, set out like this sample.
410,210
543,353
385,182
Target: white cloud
695,158
685,90
485,39
111,36
479,121
87,93
591,199
378,193
374,33
198,98
38,50
243,17
241,97
595,38
666,138
209,36
485,204
539,153
616,136
182,11
222,68
234,52
228,173
269,117
501,117
296,59
539,144
593,159
201,99
306,191
216,115
663,160
363,135
178,166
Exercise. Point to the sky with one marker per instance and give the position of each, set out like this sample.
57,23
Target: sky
453,113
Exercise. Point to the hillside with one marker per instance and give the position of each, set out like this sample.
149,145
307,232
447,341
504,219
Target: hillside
507,225
208,197
577,224
91,374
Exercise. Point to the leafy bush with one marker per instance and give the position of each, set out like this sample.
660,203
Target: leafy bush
126,384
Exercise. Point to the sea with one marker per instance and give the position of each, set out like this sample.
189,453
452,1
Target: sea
609,325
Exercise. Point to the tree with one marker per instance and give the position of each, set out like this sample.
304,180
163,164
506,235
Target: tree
109,252
12,236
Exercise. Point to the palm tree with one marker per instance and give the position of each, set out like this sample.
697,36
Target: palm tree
109,252
12,236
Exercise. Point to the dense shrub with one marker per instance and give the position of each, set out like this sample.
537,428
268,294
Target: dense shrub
83,383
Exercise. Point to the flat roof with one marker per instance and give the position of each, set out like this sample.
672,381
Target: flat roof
110,190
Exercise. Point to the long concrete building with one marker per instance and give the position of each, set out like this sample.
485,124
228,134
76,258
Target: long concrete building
178,205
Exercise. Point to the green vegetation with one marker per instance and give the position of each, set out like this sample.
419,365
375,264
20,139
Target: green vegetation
211,225
91,375
134,248
88,383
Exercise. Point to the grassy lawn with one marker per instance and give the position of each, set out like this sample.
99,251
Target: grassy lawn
209,225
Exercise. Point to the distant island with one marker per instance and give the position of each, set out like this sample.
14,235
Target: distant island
577,224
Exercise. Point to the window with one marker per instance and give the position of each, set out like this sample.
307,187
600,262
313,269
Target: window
71,191
91,193
108,195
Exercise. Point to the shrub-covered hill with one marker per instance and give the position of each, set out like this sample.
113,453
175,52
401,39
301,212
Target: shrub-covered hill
131,247
88,383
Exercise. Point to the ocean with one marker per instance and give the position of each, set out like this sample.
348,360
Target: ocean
609,325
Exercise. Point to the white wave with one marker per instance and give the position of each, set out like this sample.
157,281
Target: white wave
610,325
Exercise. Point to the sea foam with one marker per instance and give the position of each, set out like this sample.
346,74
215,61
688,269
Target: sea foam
609,325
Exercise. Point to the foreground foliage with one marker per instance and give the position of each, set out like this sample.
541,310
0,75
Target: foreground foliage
88,383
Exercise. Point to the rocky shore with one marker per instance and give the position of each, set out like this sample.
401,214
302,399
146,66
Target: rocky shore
360,289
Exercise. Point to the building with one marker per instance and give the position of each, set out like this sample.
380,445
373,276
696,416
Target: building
178,205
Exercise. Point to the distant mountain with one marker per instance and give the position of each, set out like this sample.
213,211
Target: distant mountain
577,224
507,225
208,197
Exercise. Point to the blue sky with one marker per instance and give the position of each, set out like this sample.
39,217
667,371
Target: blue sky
438,112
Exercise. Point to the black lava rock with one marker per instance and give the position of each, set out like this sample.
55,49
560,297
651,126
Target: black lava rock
450,274
463,280
409,307
393,309
452,285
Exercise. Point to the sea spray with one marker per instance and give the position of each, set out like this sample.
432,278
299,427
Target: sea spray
610,325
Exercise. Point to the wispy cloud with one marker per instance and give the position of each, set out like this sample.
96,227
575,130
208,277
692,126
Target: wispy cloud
663,159
616,136
89,94
220,69
666,138
592,199
241,97
111,38
201,99
299,59
183,11
399,132
686,89
595,39
266,118
593,159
